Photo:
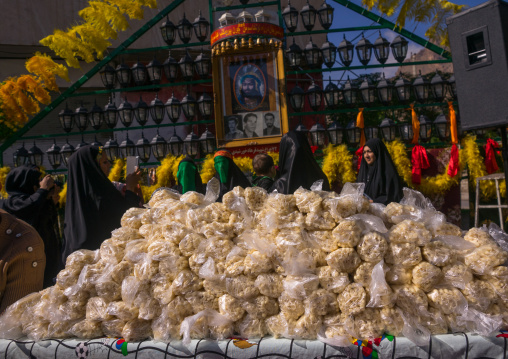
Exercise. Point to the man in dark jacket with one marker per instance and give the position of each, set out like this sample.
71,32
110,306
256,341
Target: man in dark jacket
264,170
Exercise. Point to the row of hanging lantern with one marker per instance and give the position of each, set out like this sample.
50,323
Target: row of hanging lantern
350,93
314,56
140,111
308,15
184,29
140,75
143,148
336,134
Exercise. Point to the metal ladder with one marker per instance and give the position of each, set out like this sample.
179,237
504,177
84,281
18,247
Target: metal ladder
499,206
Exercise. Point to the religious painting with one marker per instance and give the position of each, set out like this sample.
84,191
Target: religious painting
249,86
250,108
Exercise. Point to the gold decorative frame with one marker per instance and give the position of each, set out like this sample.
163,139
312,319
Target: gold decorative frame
246,51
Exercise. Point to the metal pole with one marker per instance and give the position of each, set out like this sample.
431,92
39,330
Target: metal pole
504,152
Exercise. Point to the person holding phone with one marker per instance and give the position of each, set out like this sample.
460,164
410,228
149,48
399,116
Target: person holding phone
377,170
94,206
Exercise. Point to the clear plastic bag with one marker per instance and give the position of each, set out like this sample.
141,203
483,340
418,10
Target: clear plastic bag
353,299
409,231
500,236
299,287
344,260
372,247
457,275
12,319
381,295
448,300
479,323
426,276
132,217
308,201
199,325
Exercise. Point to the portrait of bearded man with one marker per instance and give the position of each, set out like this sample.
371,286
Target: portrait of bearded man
250,89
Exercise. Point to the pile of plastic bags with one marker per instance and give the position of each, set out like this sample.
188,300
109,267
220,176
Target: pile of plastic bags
315,264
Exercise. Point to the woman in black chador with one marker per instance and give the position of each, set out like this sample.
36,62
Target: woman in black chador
30,200
94,206
377,171
297,165
228,173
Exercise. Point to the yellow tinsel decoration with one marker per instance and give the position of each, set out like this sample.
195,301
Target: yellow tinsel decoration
117,171
207,169
4,171
275,157
46,70
338,161
244,163
63,195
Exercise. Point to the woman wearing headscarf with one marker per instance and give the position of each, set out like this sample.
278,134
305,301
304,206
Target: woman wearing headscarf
94,206
188,177
377,170
297,165
31,201
228,173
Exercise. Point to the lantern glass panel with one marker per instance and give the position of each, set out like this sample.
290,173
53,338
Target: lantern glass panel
96,117
364,50
170,68
185,30
108,76
381,49
325,14
406,131
139,74
143,149
141,112
329,53
154,69
290,16
123,75
399,48
345,50
294,55
201,27
308,14
371,132
388,129
336,133
168,32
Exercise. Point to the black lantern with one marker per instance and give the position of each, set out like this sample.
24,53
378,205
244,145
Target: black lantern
290,16
173,108
154,69
96,116
336,133
205,104
110,114
139,73
189,105
36,155
317,135
452,89
201,27
399,48
111,149
421,88
66,117
384,90
368,91
203,65
170,68
350,92
301,128
123,74
406,131
388,129
296,98
157,110
141,111
294,55
127,147
191,144
66,152
442,126
329,52
371,132
345,50
438,86
126,113
108,77
354,134
175,144
325,15
381,49
168,30
207,141
186,66
81,118
143,148
159,149
364,50
425,128
312,55
95,142
21,156
313,94
403,89
332,95
54,155
185,29
308,14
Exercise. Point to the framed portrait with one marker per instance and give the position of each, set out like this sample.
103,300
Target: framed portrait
249,107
